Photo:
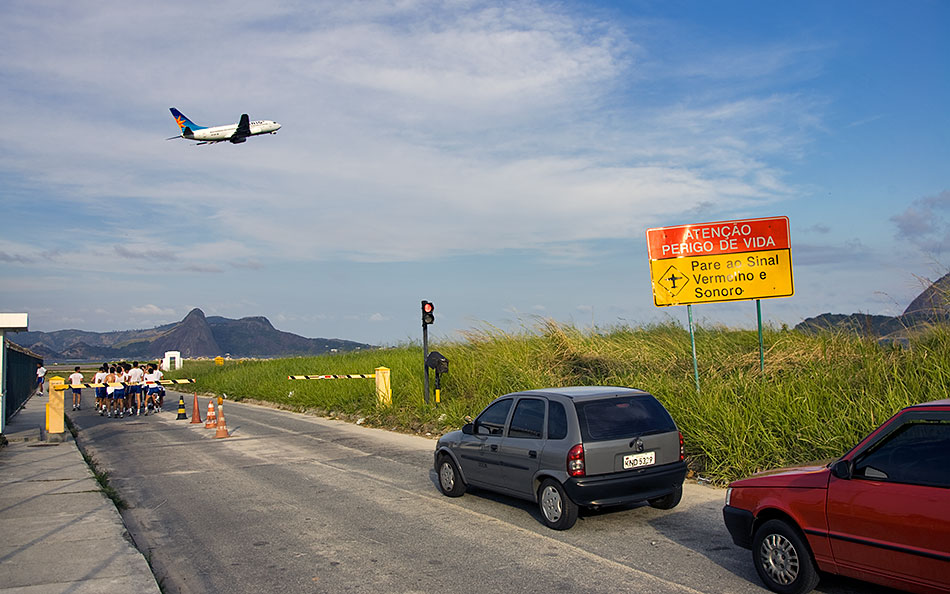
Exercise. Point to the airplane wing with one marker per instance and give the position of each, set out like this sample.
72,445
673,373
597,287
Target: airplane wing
243,129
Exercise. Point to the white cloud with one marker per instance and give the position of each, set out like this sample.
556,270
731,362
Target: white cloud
151,310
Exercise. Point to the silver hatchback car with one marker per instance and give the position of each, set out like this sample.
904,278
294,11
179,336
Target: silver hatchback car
565,448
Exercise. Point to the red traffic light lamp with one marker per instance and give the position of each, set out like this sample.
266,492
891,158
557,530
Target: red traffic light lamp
427,316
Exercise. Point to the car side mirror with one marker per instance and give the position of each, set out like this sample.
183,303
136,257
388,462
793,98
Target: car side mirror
841,469
468,429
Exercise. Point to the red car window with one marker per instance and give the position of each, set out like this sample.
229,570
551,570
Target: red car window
917,453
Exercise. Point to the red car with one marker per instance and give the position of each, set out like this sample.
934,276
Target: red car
881,513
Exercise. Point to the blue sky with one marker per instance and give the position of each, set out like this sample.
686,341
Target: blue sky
502,160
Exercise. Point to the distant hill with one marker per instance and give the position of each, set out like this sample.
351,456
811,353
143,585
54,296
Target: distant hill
194,336
932,306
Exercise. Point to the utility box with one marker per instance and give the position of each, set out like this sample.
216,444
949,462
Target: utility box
438,362
55,423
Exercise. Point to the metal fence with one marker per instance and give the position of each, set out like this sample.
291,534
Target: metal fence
20,369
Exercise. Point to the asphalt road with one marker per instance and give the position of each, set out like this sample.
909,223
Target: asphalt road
296,503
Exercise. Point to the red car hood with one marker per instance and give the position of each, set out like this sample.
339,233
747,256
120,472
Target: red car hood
811,477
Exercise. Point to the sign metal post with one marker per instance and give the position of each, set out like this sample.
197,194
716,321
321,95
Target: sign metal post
692,341
758,315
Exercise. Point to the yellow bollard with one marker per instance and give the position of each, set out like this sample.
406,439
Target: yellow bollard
384,388
55,406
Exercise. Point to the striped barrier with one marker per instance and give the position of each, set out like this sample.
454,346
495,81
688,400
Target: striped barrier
384,388
120,384
326,377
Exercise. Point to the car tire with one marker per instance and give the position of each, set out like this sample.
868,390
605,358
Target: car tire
558,511
450,480
667,501
782,558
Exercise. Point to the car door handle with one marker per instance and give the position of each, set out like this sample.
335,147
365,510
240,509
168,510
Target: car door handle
494,447
532,454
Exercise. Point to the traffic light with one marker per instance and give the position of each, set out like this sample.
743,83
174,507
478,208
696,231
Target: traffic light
427,316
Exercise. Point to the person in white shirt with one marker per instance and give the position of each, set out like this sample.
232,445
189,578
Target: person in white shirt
76,379
161,389
116,395
122,375
152,388
100,377
40,376
135,375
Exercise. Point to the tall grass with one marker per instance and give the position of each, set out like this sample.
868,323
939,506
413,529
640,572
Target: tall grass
818,396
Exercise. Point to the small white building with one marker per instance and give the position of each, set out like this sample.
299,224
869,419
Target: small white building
171,361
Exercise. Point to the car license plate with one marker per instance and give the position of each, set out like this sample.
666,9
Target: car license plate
639,460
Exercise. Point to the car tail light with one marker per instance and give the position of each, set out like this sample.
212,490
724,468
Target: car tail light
575,461
682,449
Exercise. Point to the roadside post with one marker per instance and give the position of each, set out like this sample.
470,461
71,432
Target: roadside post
440,364
428,317
384,387
55,423
741,260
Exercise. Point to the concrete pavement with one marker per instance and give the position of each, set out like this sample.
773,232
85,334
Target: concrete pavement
58,531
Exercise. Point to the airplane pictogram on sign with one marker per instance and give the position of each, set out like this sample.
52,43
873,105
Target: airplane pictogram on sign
673,281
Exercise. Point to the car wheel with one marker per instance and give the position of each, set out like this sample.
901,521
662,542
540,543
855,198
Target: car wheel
667,501
450,481
557,509
782,559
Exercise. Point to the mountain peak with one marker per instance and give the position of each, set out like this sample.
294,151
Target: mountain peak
192,336
195,313
934,302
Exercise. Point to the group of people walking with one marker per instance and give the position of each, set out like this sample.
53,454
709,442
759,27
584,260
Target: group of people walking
128,389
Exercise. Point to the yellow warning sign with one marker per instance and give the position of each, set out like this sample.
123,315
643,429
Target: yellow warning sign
722,277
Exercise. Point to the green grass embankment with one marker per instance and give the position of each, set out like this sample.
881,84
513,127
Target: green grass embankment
818,396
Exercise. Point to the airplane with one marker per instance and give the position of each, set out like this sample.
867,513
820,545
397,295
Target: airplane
234,133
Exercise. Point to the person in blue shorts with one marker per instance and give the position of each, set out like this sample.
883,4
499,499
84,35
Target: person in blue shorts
40,376
75,379
101,402
116,375
152,389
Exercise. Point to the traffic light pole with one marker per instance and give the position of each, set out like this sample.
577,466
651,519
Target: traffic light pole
428,317
425,355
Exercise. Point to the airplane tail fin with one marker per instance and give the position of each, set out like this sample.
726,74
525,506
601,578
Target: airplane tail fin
183,122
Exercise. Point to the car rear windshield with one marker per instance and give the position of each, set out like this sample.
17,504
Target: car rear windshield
621,417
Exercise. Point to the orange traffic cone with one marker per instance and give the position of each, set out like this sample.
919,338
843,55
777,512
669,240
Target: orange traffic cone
195,413
222,425
210,421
